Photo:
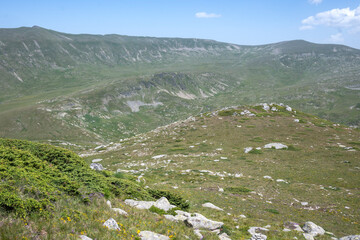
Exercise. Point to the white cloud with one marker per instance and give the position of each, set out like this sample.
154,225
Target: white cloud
336,38
344,18
207,15
315,1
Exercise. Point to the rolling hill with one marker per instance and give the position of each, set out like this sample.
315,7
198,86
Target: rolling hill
92,89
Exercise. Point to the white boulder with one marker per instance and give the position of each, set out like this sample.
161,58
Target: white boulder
210,205
96,166
148,235
276,146
163,204
312,230
83,237
139,204
196,220
247,149
120,211
111,224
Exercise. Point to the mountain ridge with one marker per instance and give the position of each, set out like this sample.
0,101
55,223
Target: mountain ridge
101,84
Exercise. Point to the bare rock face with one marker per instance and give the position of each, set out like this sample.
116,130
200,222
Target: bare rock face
111,224
148,235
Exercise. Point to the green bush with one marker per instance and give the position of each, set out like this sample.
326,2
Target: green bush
33,176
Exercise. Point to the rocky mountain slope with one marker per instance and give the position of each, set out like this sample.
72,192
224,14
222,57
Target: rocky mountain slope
267,166
249,172
89,89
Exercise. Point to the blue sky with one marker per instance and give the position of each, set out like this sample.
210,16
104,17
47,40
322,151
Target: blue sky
248,22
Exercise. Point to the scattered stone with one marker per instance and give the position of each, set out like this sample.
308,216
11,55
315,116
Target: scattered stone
296,120
196,220
120,211
111,224
281,180
158,156
312,230
83,237
242,216
96,166
351,237
304,203
276,146
148,235
247,149
266,107
268,177
288,109
108,203
96,160
210,205
221,189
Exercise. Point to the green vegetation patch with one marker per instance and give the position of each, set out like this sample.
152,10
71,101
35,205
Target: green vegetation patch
34,176
237,190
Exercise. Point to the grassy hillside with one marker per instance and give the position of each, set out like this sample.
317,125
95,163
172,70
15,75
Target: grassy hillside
202,158
51,193
93,89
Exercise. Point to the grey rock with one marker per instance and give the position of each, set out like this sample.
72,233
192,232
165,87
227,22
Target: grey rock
163,204
111,224
257,233
210,205
351,237
312,229
224,236
247,149
196,220
96,166
276,146
83,237
148,235
293,226
139,204
120,211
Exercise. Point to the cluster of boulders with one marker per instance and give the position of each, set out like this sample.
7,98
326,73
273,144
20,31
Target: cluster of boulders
200,223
